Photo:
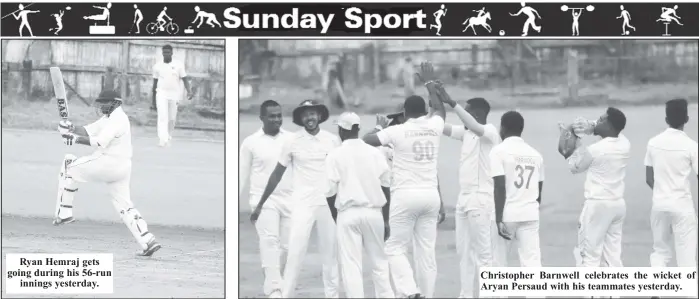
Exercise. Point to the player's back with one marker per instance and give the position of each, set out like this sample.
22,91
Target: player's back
523,167
672,154
415,152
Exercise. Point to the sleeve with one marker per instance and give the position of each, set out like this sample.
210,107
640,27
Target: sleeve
437,123
183,73
386,136
581,159
286,156
155,71
384,170
648,160
497,166
491,133
109,131
457,132
244,164
332,175
94,128
694,159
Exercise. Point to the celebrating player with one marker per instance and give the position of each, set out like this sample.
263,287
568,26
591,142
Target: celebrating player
518,178
305,153
670,158
602,217
110,164
358,196
416,206
167,93
259,154
475,210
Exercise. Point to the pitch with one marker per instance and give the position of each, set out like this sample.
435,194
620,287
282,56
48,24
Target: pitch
562,198
180,189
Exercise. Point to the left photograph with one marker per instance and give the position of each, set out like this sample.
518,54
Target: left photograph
113,168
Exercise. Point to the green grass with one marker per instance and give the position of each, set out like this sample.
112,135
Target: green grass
34,115
388,98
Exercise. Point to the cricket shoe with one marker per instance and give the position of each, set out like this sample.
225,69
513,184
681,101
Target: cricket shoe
153,246
418,295
61,221
276,294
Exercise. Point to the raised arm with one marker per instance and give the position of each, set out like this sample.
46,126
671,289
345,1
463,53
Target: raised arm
468,120
428,78
581,160
372,137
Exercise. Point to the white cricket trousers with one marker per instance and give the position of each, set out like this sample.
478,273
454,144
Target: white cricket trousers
525,238
413,217
302,219
273,226
361,228
680,225
167,112
599,233
475,230
116,173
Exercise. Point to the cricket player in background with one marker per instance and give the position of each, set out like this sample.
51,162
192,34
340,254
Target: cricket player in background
475,208
359,200
416,205
305,153
518,179
602,217
259,154
167,93
670,158
109,164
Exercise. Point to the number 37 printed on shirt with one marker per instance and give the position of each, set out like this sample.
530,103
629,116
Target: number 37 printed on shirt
424,150
524,175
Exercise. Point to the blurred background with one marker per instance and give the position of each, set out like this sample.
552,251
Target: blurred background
376,75
88,66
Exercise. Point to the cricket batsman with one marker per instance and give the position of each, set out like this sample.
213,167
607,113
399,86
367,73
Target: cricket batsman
259,154
110,135
359,200
671,157
602,218
416,205
305,153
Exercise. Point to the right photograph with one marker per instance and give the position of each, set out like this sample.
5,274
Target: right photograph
398,168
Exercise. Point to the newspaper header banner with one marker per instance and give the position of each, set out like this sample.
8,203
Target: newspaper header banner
488,20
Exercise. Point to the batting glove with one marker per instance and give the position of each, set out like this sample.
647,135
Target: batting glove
69,138
65,127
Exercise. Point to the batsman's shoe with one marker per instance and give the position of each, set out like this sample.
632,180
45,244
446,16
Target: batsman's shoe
153,246
61,221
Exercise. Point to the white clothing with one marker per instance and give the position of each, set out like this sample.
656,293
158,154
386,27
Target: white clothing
259,155
112,134
169,76
415,150
605,162
673,157
474,166
523,168
306,154
356,172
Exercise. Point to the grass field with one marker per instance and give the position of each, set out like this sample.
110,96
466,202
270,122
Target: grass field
561,201
179,190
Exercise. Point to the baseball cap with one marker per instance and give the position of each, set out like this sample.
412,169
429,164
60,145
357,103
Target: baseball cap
347,119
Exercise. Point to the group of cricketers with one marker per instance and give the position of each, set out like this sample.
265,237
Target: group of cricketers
379,193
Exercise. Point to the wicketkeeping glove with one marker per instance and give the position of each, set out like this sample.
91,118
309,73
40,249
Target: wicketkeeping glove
567,141
583,126
65,126
69,138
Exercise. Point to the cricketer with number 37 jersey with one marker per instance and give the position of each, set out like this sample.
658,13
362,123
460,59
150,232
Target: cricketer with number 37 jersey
415,147
523,168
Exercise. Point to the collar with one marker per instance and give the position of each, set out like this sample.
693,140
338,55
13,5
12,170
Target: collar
305,133
261,132
674,131
513,139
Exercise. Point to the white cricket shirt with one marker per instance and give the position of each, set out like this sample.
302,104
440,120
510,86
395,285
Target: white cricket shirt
415,152
523,168
169,77
305,154
112,134
259,155
605,162
387,152
474,169
673,156
356,171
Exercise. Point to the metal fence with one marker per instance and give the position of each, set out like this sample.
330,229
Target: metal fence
475,63
84,64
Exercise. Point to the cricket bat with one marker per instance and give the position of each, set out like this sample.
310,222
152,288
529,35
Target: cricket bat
60,90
